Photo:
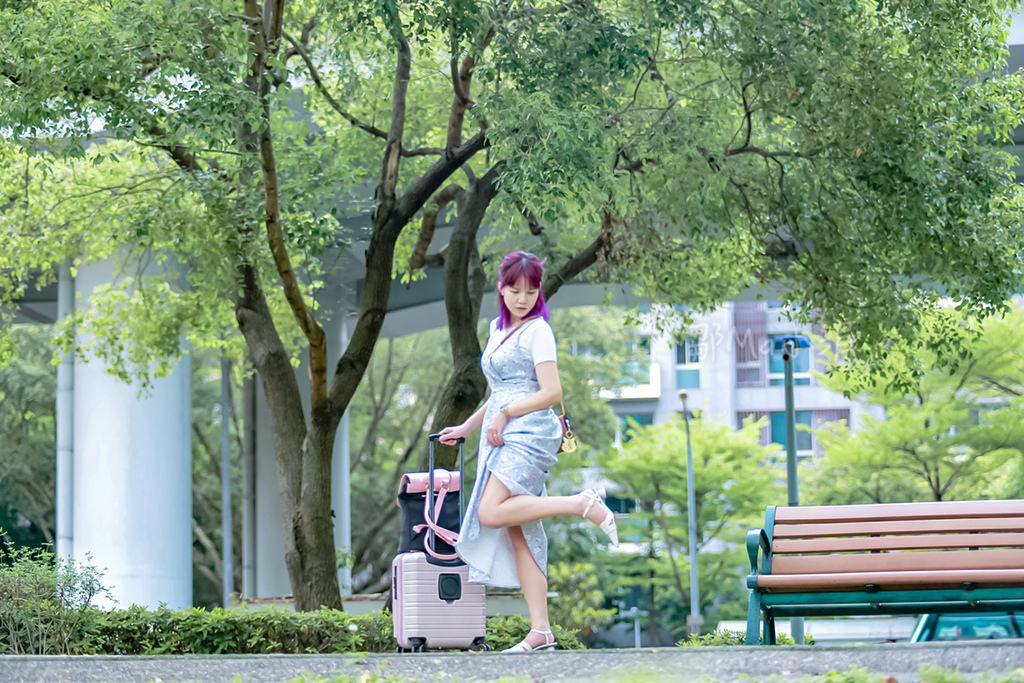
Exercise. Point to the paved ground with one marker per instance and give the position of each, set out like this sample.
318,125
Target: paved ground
902,660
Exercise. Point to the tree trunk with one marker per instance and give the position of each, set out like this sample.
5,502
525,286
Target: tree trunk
464,290
314,535
303,456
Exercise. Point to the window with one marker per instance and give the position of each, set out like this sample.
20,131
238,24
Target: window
777,366
804,438
688,379
688,351
688,356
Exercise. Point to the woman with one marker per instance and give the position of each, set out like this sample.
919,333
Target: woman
502,538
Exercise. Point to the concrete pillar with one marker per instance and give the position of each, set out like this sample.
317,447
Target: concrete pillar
65,424
341,484
249,534
133,477
271,572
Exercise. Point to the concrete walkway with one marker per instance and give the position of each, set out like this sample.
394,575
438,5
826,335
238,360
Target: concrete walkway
902,660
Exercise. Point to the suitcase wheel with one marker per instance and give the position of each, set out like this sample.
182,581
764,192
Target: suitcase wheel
418,644
479,646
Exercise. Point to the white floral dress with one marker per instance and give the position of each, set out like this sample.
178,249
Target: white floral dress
522,464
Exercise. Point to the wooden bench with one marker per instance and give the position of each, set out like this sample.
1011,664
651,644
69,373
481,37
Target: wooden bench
904,558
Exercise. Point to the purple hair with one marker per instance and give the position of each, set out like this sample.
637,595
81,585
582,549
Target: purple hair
521,264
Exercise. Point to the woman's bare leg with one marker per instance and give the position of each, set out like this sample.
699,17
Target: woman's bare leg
499,508
534,585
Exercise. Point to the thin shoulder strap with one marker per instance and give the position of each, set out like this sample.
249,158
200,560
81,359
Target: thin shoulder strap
514,333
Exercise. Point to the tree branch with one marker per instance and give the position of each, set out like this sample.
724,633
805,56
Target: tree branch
185,159
393,146
211,550
419,251
281,77
461,81
748,149
536,229
421,191
274,22
581,261
275,233
214,465
315,75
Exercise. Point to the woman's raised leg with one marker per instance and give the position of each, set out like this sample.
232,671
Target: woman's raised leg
499,508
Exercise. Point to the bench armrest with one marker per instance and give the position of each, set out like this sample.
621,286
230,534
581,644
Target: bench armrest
757,539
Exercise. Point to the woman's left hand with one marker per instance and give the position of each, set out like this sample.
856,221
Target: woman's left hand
495,430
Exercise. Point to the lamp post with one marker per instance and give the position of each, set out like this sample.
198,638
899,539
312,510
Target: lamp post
695,619
789,347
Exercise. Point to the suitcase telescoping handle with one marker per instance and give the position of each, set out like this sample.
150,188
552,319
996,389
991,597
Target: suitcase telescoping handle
430,490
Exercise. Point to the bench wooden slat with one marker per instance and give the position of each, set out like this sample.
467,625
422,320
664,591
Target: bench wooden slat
898,527
847,544
884,559
889,580
933,510
895,562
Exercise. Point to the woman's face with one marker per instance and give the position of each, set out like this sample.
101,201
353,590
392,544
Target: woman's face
520,298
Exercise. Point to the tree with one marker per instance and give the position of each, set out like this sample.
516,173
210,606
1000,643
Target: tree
200,84
954,438
690,151
733,483
27,434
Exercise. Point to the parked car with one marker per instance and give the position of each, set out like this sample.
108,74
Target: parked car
983,626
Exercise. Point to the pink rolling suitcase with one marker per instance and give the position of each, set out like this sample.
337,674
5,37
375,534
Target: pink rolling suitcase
433,604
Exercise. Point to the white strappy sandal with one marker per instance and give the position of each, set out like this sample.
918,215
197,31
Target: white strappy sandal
523,646
608,525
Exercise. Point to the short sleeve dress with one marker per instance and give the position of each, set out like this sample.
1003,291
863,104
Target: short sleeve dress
522,464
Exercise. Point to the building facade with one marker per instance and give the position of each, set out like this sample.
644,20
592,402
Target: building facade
731,368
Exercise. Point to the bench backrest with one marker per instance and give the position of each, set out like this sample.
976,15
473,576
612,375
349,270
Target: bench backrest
957,535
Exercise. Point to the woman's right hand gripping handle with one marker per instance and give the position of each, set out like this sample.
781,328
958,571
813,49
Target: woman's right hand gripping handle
450,435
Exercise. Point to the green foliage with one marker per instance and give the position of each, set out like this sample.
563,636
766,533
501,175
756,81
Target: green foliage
734,638
850,151
504,632
594,353
580,604
732,483
959,435
45,608
229,631
45,603
720,153
27,434
138,631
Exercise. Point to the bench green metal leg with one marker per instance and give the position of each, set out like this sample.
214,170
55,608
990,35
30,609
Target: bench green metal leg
753,636
769,627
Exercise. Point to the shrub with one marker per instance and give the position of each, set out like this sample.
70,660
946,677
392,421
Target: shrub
45,608
579,605
44,602
504,632
139,631
734,638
